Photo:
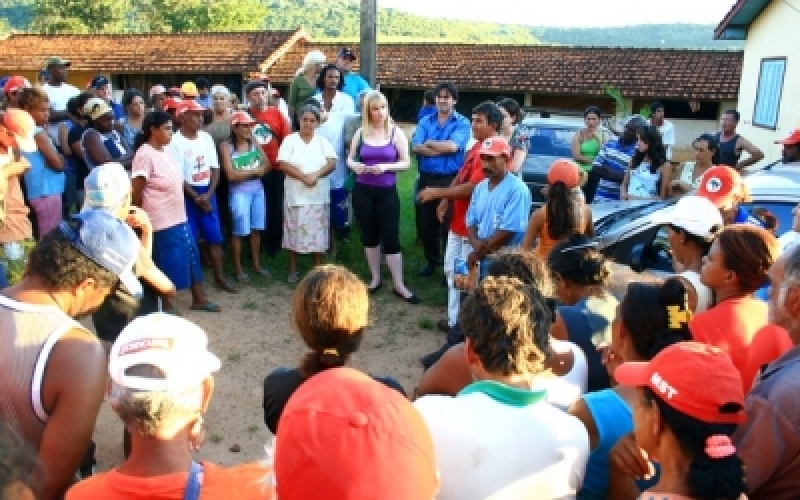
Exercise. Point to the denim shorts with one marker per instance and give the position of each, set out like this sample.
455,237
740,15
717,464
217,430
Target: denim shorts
205,225
248,211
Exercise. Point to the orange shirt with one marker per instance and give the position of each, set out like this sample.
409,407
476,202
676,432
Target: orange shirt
471,172
739,327
243,482
279,128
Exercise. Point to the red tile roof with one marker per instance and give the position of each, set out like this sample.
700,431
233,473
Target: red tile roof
638,73
238,52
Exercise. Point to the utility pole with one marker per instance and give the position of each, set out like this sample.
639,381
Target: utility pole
369,40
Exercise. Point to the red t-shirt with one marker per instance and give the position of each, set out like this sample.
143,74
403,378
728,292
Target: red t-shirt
739,327
237,483
471,172
270,132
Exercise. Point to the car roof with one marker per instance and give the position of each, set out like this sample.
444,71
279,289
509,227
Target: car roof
778,183
564,122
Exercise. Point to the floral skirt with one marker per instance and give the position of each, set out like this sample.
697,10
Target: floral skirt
306,228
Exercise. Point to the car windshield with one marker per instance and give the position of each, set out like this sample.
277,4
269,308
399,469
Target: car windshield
628,215
548,140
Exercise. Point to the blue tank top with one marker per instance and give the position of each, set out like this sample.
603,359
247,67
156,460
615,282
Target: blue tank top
373,155
590,318
41,180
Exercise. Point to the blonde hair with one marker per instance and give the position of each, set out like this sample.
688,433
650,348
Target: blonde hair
369,99
313,57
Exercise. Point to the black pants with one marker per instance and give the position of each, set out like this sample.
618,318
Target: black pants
432,232
377,213
273,190
590,188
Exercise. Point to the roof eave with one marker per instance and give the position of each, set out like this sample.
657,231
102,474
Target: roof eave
738,20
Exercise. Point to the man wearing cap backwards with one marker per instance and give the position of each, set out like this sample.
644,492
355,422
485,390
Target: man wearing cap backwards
498,209
54,369
193,150
498,438
101,87
769,442
271,130
11,90
611,163
16,135
161,385
354,83
345,436
59,92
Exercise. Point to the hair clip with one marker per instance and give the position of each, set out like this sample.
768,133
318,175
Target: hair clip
719,446
678,316
331,352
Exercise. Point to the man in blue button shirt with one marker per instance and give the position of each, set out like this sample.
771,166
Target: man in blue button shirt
439,142
354,83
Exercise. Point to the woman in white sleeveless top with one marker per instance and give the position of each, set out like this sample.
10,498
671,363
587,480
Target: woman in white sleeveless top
692,224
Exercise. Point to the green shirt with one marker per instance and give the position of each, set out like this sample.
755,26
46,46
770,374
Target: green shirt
299,91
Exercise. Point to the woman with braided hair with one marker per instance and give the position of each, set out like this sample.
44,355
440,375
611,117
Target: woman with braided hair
330,310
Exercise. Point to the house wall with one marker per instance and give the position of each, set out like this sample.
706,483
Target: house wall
772,34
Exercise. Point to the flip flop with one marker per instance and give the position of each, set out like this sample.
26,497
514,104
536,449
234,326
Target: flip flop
207,307
294,277
242,278
263,272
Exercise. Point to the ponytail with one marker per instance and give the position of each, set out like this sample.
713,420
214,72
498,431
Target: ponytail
330,357
560,212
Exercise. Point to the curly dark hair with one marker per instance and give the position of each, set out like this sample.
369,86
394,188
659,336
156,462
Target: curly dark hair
526,266
324,72
330,310
61,266
508,323
19,465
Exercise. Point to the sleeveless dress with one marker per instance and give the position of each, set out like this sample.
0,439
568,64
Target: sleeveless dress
642,182
589,149
113,143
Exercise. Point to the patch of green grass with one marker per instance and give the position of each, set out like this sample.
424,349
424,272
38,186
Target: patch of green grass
350,254
234,357
251,305
425,323
215,438
253,428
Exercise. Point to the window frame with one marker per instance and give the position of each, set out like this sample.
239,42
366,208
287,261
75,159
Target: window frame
757,122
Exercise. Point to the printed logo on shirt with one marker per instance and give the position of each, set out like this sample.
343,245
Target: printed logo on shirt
263,133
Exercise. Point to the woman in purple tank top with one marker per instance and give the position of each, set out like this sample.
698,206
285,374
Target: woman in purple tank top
378,151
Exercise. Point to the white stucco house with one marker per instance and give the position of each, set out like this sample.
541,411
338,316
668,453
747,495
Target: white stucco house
769,90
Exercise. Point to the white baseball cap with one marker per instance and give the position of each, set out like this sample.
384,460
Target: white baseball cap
694,214
106,186
173,344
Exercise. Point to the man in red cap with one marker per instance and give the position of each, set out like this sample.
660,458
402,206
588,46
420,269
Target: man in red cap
724,187
791,149
193,150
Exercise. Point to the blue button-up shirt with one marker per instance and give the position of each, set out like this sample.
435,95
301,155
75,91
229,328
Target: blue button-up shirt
456,129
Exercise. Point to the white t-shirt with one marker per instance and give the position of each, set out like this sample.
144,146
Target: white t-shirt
565,390
307,158
667,130
342,107
495,441
58,97
642,182
788,240
195,157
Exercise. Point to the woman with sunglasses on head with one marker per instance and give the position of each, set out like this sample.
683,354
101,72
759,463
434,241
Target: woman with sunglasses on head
244,165
649,318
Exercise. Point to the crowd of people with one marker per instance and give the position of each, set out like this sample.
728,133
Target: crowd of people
547,386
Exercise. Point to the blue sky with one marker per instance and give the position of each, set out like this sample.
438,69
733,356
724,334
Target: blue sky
569,13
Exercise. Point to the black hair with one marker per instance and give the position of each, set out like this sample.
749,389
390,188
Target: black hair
655,149
153,119
592,110
324,71
713,143
202,83
129,96
429,97
644,313
512,108
524,265
708,478
254,84
735,114
560,211
208,117
703,243
656,105
577,261
492,113
449,87
75,104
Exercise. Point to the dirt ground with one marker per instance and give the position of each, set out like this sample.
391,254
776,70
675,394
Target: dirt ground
252,336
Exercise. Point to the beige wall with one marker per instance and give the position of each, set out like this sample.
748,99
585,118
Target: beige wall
773,34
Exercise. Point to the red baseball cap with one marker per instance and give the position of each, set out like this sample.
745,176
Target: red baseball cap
241,118
15,83
342,435
720,185
794,138
566,171
156,90
693,378
189,105
173,103
495,146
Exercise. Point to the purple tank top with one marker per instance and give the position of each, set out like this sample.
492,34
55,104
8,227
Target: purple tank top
372,155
